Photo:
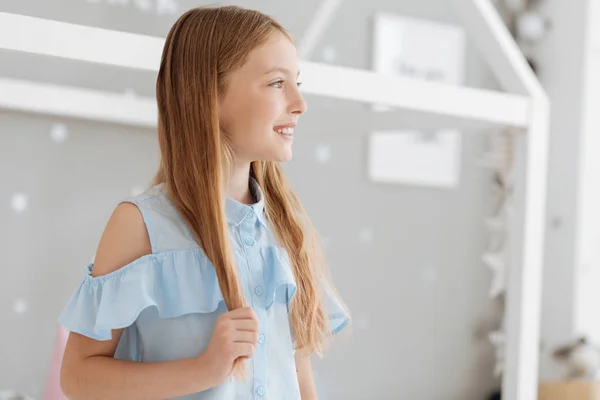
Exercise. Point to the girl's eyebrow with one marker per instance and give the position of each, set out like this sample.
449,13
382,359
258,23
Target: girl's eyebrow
281,69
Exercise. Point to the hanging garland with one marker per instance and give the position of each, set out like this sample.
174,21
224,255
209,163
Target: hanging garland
500,160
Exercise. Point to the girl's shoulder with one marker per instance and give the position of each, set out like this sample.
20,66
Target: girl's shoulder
166,228
144,259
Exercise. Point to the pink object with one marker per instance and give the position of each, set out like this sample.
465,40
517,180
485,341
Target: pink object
53,391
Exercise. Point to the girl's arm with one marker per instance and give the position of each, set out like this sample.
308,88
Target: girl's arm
89,370
308,391
99,376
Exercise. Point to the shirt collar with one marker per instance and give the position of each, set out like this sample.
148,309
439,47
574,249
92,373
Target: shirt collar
236,211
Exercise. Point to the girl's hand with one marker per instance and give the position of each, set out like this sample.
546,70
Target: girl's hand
235,335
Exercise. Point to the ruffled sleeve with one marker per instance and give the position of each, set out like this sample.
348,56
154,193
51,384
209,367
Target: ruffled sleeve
169,281
337,316
281,280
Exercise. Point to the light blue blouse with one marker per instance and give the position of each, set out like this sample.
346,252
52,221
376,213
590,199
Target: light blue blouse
168,301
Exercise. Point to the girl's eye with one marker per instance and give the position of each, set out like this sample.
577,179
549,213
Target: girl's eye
278,84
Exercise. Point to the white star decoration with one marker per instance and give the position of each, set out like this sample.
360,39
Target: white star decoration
161,7
490,161
144,5
366,235
500,160
59,133
19,202
329,54
497,231
136,190
323,153
130,93
20,306
495,261
13,394
498,340
164,7
495,224
429,274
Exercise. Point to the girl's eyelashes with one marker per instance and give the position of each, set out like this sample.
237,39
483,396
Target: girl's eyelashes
279,83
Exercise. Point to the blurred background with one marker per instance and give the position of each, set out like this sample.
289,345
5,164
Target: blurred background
410,216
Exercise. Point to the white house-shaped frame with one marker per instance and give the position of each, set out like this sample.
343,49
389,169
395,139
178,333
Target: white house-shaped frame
524,106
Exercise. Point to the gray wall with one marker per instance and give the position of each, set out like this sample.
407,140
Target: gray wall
418,290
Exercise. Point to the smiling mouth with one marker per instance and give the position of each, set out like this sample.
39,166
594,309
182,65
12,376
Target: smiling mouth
285,131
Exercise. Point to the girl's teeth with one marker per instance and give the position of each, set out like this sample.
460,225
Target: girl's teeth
286,131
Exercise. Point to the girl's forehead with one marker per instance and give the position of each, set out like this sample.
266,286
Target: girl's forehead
276,53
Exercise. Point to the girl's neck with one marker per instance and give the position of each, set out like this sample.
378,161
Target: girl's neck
238,188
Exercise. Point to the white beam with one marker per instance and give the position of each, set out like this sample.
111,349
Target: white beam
96,45
523,306
317,27
523,300
498,47
416,95
71,102
103,106
78,42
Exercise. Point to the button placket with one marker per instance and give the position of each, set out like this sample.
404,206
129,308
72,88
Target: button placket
249,238
260,359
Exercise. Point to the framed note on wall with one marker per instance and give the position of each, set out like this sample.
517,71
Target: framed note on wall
418,49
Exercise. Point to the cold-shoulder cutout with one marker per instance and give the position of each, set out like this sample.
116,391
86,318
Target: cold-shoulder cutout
125,239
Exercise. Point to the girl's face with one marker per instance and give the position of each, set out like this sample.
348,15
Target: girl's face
262,103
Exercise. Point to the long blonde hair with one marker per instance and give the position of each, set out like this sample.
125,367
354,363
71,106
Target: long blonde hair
204,45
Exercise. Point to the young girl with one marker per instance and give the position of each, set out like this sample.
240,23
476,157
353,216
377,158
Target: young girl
210,285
